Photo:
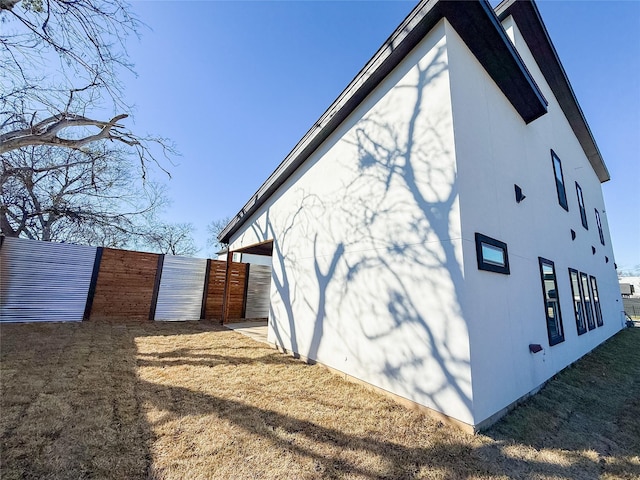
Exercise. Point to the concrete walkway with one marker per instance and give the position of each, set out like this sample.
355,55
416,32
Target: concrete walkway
255,330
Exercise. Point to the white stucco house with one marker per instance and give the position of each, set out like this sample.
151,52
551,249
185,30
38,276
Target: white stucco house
440,232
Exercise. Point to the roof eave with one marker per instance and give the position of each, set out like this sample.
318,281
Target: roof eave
480,29
535,34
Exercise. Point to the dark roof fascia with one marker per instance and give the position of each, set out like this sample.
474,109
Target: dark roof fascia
535,34
480,29
484,35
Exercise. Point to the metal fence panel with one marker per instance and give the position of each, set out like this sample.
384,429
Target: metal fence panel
258,291
632,307
181,288
44,281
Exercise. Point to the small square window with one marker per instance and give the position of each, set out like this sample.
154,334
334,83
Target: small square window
491,254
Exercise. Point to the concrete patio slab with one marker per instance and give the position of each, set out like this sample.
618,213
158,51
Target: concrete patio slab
254,330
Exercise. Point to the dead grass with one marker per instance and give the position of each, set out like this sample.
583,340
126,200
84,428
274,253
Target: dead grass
196,401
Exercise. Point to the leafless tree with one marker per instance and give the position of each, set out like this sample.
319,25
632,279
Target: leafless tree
172,239
88,36
624,271
65,148
214,229
80,45
91,196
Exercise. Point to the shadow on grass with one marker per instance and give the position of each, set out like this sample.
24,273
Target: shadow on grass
336,454
307,439
593,405
77,402
182,357
69,403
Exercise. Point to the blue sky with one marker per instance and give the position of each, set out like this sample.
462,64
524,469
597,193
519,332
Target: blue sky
236,84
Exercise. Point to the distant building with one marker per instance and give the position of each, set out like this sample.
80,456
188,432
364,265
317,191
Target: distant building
630,290
629,287
440,232
627,290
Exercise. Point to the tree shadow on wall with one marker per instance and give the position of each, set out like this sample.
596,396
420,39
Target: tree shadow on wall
414,154
392,218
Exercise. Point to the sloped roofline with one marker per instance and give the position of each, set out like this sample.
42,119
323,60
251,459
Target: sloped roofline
535,34
482,32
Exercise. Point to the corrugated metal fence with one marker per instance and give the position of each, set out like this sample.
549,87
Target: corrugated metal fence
42,281
181,288
257,303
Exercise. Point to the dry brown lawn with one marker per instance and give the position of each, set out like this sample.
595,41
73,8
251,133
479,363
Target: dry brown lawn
194,400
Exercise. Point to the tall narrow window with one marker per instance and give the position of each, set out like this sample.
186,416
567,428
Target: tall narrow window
578,301
599,224
557,170
551,301
583,211
596,300
584,281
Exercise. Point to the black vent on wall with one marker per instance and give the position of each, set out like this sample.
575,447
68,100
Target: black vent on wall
519,195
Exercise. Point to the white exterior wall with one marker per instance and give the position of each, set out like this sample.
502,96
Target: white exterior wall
495,149
367,261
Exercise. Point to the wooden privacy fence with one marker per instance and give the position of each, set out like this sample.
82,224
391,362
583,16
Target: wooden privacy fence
123,285
42,281
216,290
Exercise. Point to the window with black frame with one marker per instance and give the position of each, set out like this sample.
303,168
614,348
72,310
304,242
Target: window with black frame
596,301
557,170
491,254
599,224
588,308
583,211
578,301
553,315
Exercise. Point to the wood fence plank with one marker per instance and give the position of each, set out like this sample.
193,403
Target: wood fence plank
125,285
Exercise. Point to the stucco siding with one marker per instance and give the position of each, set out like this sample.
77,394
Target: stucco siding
495,149
367,260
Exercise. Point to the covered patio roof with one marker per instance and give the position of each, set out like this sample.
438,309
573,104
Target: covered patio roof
265,249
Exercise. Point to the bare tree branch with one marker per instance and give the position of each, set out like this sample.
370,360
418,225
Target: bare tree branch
46,133
171,238
213,229
50,193
58,108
